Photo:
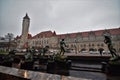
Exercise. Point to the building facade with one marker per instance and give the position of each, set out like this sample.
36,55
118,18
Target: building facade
79,41
92,40
46,38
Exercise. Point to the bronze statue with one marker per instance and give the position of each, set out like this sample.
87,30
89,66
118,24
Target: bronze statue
110,46
62,47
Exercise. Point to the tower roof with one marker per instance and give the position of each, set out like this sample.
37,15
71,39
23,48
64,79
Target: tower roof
26,16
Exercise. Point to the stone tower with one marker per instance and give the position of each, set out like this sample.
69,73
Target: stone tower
25,30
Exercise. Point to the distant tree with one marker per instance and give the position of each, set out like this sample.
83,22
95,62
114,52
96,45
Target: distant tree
9,36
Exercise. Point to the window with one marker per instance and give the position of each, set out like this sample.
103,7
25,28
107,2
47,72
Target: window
98,44
102,45
84,45
83,49
72,45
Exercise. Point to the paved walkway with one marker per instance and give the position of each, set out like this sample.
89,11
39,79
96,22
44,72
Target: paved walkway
88,75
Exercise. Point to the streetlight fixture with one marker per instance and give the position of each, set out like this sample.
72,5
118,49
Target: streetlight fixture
9,37
76,46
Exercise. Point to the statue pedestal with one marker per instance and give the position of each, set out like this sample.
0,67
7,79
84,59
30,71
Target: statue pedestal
59,64
113,67
59,67
113,70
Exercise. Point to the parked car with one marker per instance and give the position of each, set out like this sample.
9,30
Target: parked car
94,52
106,52
84,51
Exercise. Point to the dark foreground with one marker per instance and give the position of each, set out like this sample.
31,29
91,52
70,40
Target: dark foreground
85,67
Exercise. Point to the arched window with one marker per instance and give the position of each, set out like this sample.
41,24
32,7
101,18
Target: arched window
83,49
102,45
89,45
84,45
93,45
95,49
72,45
98,44
100,49
91,49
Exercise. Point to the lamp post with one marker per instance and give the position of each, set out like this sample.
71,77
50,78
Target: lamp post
15,41
9,37
76,46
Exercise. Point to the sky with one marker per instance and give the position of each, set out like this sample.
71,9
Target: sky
62,16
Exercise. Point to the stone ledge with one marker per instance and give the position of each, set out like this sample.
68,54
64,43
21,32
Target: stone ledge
18,74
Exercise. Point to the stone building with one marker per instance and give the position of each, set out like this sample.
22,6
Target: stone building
82,41
46,38
79,41
92,40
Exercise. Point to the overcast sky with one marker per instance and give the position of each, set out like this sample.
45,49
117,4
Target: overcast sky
62,16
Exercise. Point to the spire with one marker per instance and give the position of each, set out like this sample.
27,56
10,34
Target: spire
26,16
54,33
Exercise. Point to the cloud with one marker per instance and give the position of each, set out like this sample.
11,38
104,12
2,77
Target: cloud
63,16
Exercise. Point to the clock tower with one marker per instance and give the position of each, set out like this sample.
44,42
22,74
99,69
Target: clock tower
25,30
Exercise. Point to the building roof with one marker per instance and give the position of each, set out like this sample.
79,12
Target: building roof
45,34
85,34
115,31
99,32
19,37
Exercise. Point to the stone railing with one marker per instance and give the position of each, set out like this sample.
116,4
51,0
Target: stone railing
8,73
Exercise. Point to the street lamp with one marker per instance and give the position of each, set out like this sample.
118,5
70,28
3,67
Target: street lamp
9,37
15,41
76,46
